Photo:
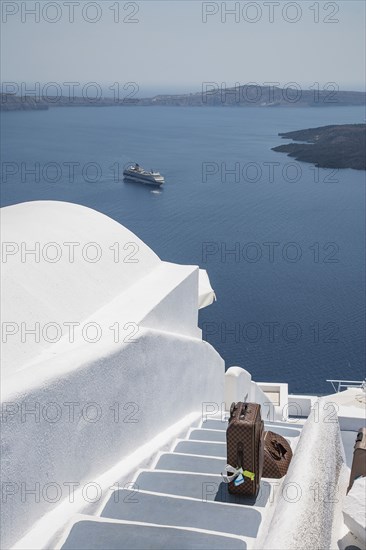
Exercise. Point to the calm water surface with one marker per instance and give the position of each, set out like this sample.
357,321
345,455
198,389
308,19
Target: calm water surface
282,241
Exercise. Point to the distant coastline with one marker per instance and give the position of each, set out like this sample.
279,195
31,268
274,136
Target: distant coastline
337,146
11,102
241,96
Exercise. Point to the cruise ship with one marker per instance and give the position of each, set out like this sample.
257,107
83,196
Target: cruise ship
114,409
138,174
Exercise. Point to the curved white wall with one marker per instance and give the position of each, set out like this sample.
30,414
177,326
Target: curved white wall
156,381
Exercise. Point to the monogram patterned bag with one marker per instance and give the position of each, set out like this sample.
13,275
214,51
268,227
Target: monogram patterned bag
277,455
244,438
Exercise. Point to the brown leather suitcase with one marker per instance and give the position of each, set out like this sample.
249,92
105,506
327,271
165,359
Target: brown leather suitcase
359,458
277,455
244,438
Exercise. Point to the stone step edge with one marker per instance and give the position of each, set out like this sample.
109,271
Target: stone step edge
84,517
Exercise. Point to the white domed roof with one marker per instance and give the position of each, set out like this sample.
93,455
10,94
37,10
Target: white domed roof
81,260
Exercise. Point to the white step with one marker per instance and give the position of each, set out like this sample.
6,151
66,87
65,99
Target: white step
91,534
189,463
201,487
162,509
201,448
182,504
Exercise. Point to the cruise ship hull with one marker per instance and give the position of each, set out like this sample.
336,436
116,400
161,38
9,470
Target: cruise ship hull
145,178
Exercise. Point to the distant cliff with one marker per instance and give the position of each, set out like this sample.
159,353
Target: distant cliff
259,96
341,146
11,102
211,96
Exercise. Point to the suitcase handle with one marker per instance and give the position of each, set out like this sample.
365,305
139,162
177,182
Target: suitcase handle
234,407
244,409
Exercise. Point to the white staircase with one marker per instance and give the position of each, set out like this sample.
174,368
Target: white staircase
181,503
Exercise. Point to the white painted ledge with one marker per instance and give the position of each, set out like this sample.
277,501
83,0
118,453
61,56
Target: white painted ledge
354,510
239,386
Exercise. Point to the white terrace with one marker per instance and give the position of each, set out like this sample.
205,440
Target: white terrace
114,408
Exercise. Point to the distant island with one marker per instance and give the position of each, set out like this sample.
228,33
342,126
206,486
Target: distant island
337,146
212,95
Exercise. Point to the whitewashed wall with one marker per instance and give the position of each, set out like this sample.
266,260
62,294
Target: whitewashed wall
155,382
307,510
93,403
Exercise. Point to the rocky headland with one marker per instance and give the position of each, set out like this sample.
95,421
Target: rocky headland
337,146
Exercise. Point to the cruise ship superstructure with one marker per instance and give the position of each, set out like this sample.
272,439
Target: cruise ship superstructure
136,173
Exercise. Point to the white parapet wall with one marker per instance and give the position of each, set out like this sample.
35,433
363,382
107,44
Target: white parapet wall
239,386
278,394
350,407
74,408
64,431
354,510
301,405
308,508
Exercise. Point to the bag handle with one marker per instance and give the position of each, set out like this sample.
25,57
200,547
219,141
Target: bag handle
234,406
279,452
244,409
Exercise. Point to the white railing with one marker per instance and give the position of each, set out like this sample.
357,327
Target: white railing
339,384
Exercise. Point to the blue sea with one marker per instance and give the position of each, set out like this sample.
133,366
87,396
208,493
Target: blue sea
282,241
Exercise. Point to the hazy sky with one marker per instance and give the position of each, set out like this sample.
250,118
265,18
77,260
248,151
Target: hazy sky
169,46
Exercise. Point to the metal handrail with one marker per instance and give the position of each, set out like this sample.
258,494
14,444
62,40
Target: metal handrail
346,384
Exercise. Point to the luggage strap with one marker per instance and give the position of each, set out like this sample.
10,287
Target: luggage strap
233,473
